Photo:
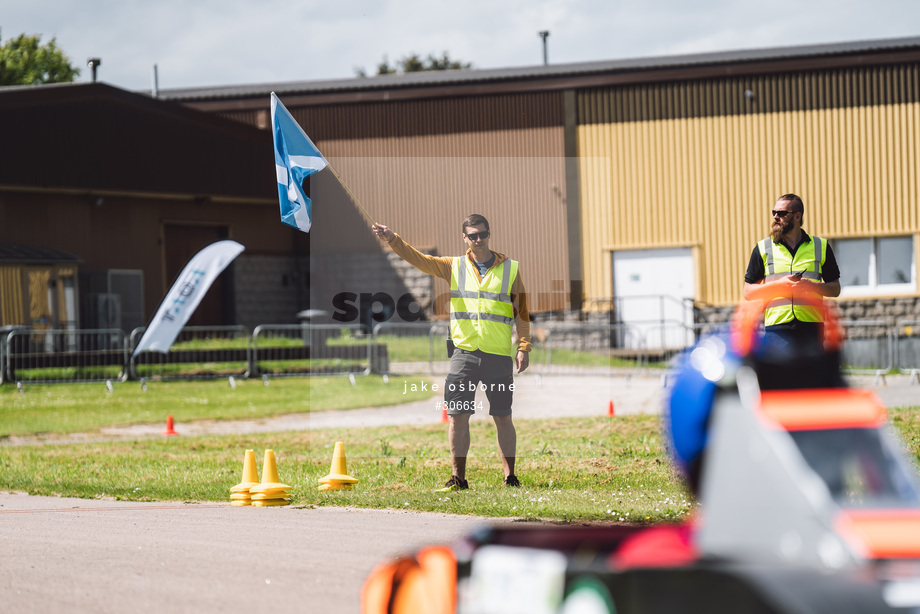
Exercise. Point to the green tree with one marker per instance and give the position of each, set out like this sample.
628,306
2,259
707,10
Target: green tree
25,61
414,63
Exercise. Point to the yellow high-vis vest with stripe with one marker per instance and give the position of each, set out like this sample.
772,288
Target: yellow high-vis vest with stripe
481,314
778,263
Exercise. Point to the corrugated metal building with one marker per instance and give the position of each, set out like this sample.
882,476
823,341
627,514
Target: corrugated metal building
106,194
601,177
423,164
37,287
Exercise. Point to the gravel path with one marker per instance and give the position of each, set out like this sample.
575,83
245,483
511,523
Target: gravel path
534,397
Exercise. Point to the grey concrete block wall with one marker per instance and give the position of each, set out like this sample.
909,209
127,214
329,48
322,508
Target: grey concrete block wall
419,284
336,275
888,310
274,289
269,289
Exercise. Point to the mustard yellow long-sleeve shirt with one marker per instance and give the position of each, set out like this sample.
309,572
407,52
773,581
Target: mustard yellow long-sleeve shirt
440,266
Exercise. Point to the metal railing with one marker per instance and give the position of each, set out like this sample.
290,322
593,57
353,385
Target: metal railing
286,350
578,348
868,348
907,342
2,358
199,352
65,356
417,347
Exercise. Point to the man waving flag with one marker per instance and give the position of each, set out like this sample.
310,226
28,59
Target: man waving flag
296,158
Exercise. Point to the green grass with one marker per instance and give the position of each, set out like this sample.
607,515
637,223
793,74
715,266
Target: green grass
65,374
571,469
69,408
579,358
418,349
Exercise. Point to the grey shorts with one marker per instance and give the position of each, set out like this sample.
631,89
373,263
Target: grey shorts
470,371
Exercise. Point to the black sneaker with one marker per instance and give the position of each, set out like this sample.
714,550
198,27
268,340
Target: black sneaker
454,483
512,481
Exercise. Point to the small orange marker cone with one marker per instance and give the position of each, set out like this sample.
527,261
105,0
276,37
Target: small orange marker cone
610,412
169,426
444,412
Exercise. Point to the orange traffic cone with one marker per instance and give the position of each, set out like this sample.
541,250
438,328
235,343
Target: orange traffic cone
444,412
169,426
338,477
610,413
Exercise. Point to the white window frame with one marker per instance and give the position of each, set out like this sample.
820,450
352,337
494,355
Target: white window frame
873,288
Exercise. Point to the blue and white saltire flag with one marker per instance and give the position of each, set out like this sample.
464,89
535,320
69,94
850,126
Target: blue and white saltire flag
186,294
296,158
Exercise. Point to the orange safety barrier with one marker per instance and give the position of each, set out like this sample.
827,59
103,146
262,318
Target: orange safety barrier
425,583
884,534
749,315
823,408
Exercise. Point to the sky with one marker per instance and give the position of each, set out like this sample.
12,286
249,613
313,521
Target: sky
205,43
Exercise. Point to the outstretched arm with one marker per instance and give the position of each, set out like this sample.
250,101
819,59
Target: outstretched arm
433,265
383,232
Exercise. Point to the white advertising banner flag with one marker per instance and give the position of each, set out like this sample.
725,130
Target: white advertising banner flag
185,295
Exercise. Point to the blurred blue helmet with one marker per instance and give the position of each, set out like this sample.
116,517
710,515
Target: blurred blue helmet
701,371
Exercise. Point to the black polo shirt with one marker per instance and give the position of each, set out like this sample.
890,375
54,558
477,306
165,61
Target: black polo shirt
755,271
829,272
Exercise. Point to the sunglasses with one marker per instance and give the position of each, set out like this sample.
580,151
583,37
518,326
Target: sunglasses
781,214
477,235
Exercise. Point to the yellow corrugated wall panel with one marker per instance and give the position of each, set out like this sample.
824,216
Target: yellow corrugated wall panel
688,165
11,311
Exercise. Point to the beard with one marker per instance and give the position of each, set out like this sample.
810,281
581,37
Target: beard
781,227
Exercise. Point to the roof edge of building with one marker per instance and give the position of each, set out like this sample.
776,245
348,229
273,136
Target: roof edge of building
552,72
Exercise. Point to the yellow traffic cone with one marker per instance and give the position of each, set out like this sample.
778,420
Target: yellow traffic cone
250,475
240,493
338,477
271,502
271,491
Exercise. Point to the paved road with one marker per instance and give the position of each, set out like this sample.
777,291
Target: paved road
86,556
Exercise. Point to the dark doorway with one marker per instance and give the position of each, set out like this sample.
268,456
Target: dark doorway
181,244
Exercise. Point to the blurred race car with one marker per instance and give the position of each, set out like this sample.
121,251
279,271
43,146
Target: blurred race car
808,504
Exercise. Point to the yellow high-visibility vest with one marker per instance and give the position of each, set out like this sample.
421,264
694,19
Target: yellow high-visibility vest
778,262
481,314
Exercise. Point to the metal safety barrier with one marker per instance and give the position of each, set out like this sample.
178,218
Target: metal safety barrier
868,348
414,348
285,350
199,352
39,356
579,348
3,357
907,342
566,348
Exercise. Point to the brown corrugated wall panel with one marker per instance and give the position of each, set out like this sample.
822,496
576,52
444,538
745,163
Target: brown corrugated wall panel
422,166
700,164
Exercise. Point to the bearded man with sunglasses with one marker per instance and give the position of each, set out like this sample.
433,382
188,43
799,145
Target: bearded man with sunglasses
487,298
798,265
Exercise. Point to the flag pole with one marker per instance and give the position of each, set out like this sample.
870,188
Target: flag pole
347,191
